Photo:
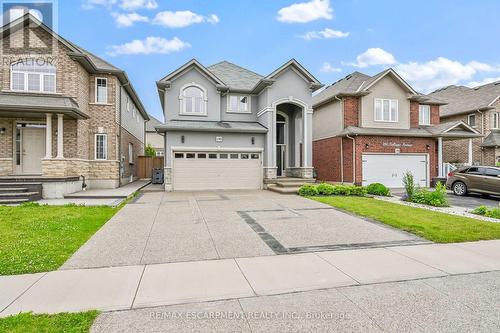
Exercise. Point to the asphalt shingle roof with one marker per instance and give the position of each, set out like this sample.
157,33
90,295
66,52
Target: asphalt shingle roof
152,123
211,126
463,99
492,140
234,76
348,85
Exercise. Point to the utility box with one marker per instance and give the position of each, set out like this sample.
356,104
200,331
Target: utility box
157,176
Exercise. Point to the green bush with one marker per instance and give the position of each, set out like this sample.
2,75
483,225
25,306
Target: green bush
488,212
326,189
378,189
436,198
150,151
409,184
308,190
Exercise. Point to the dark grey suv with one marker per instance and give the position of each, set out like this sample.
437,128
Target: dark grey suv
478,179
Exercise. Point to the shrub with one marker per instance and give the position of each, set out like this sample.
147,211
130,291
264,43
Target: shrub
435,198
378,189
409,183
359,191
150,151
488,212
326,189
308,190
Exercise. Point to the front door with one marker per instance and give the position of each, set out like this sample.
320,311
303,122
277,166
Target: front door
33,149
280,146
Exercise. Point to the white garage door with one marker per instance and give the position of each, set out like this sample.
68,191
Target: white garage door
388,169
217,171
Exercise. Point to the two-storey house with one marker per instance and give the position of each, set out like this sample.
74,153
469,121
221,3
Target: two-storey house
227,127
369,129
479,107
67,117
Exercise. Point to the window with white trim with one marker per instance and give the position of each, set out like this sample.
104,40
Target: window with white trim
424,115
193,101
33,77
386,110
101,147
101,90
471,119
494,120
130,152
238,103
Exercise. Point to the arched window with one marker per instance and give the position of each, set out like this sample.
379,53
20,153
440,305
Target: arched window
33,76
194,100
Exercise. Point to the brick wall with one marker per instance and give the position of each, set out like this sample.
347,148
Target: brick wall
435,119
456,151
351,111
138,149
6,139
414,114
326,159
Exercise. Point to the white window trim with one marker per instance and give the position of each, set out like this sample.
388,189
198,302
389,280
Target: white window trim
105,147
381,104
130,153
95,84
182,101
493,125
475,120
42,85
228,108
420,122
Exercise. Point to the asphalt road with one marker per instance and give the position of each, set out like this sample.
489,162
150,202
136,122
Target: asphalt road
473,200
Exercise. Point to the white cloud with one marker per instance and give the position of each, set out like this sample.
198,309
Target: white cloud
304,12
181,19
90,4
373,56
324,34
440,72
150,45
128,20
138,4
214,19
328,68
484,81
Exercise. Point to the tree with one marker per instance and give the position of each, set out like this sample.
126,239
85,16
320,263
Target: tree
150,151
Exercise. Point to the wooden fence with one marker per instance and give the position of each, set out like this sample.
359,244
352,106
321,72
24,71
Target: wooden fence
146,164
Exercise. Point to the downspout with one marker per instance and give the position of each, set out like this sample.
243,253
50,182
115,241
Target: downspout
353,158
120,133
341,101
482,135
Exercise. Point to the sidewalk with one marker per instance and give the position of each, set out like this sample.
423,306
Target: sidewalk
131,287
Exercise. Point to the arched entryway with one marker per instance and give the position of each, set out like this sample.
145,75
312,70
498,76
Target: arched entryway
289,136
282,143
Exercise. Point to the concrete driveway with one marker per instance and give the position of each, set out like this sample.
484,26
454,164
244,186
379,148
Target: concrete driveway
473,200
163,227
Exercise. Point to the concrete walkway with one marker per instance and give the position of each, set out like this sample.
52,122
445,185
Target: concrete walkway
139,286
109,193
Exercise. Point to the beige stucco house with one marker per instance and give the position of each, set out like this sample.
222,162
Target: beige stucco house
66,115
153,138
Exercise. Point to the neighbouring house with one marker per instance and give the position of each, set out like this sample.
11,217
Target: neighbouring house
480,108
153,138
64,113
227,127
369,129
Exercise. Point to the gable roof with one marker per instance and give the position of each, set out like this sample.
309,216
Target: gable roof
359,84
492,140
92,63
234,76
463,99
152,123
292,63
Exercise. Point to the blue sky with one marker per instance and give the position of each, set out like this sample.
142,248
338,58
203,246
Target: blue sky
430,43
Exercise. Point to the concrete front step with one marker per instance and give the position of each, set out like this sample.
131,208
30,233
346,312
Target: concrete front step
15,192
291,184
283,190
13,189
15,195
13,201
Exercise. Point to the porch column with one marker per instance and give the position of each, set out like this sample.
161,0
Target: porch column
304,138
48,136
440,157
469,160
60,143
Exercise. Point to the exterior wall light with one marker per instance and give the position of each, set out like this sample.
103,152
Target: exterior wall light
253,140
367,146
183,139
2,131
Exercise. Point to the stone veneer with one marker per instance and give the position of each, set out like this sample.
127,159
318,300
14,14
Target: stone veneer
300,172
5,166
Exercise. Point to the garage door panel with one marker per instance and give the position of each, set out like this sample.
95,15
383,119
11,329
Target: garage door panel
220,173
388,169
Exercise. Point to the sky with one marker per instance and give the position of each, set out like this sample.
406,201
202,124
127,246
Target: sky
430,43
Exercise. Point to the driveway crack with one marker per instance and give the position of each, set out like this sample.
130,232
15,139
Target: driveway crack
151,229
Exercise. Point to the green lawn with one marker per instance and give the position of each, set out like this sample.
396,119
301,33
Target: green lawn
434,226
62,322
41,238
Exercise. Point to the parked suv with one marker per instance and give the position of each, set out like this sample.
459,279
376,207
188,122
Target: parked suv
479,179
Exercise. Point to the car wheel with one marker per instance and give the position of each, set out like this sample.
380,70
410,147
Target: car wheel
459,188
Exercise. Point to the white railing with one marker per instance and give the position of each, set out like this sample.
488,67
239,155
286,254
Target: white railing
447,168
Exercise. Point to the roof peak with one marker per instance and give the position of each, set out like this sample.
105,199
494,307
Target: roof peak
235,65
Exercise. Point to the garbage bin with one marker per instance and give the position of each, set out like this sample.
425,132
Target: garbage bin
157,176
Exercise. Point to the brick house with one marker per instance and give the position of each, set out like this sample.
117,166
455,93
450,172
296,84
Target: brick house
480,108
64,113
369,129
